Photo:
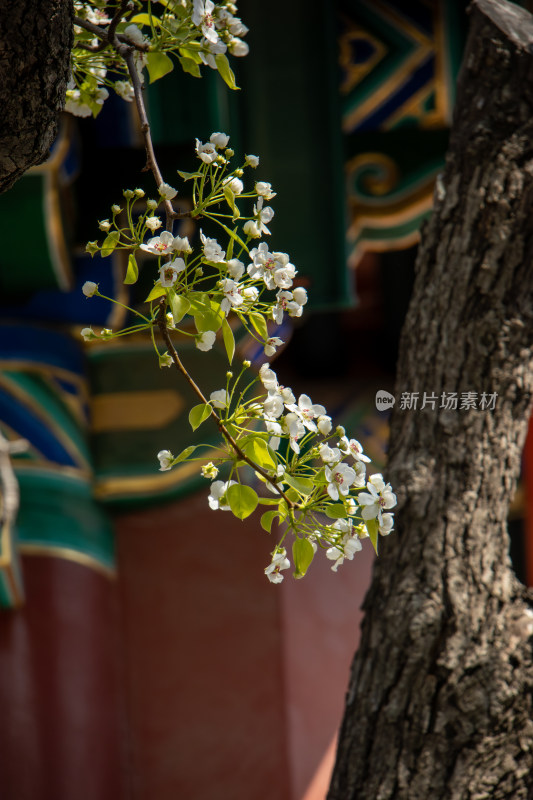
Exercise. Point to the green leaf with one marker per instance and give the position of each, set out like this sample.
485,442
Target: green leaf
259,323
190,66
179,305
187,176
302,554
199,414
191,52
207,317
144,19
109,243
302,485
229,339
225,70
336,511
372,527
267,519
184,455
229,250
157,291
257,450
158,64
132,273
234,236
268,501
230,199
242,500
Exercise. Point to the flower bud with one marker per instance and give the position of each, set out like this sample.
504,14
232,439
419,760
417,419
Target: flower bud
116,209
128,194
104,225
139,192
239,172
92,248
151,204
89,288
247,364
229,375
229,153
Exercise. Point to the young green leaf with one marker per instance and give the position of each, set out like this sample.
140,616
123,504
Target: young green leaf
132,273
157,291
230,199
257,450
158,64
225,70
302,554
336,511
190,66
242,500
184,455
372,528
229,339
179,305
259,323
109,243
267,519
302,485
199,414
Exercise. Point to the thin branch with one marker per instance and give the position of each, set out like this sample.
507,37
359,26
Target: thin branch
161,321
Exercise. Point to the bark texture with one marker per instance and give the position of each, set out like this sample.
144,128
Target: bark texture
440,698
35,44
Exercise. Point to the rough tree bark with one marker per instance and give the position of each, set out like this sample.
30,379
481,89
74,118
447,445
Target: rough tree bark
440,698
35,44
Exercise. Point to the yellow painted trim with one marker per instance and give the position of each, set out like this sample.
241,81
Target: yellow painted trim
107,488
135,410
44,466
371,246
68,554
6,565
378,221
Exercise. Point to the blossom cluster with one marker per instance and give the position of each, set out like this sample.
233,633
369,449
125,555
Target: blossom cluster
191,32
310,476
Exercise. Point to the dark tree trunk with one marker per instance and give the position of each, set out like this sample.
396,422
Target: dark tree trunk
440,699
35,44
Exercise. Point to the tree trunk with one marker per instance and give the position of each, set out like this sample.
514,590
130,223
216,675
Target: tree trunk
440,698
35,44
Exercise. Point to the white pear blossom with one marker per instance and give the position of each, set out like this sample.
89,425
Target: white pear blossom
324,424
294,427
268,378
160,245
252,229
75,106
206,152
263,216
202,17
330,455
272,344
286,302
340,478
265,190
353,448
216,497
234,184
220,140
232,296
235,268
153,223
307,411
206,340
89,288
167,192
88,334
346,547
212,250
251,161
378,497
220,398
181,245
165,460
238,48
124,89
275,429
165,360
386,524
168,272
278,563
